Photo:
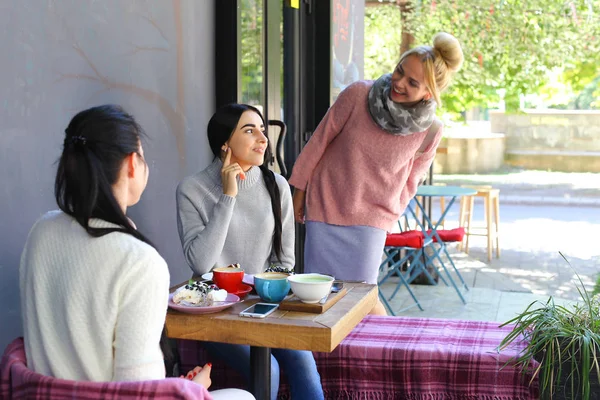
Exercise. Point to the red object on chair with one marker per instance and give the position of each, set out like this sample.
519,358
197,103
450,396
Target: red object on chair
19,382
449,235
412,239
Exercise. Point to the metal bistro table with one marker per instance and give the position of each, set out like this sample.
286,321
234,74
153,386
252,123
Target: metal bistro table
282,329
430,191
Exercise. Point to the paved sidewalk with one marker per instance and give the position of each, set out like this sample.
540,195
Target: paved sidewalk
535,187
542,214
496,292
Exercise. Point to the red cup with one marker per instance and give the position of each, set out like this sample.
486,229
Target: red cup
228,278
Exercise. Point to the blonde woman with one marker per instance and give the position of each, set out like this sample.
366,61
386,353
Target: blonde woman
366,158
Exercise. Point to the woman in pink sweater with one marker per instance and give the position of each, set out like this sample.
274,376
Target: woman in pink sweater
365,160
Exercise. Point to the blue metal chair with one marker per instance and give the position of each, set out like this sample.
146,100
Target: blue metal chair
408,266
395,269
415,260
432,236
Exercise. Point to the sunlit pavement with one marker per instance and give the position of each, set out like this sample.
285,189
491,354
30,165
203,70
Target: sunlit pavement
530,267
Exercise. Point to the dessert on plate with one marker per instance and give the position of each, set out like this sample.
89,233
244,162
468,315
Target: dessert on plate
279,268
198,294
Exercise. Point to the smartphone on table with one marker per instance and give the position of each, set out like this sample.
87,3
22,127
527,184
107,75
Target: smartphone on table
259,310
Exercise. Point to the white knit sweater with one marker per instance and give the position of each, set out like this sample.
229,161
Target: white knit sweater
93,308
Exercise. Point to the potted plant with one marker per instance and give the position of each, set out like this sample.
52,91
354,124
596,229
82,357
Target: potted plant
566,343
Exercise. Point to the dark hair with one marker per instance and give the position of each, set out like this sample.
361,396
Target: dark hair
220,127
97,141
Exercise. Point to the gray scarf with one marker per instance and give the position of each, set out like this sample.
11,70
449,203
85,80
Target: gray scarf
395,118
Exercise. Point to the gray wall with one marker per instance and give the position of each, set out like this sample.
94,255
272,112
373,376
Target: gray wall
154,57
549,131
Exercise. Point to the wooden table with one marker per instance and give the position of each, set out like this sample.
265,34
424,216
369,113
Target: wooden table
282,329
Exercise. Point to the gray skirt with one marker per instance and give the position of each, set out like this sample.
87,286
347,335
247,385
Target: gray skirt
350,253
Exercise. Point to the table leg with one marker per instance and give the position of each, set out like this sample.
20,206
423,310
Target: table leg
260,372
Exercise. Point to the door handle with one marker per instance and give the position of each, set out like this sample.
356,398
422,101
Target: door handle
279,146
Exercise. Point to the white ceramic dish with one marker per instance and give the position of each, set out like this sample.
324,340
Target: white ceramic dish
310,288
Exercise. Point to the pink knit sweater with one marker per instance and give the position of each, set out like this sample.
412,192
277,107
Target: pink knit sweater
354,172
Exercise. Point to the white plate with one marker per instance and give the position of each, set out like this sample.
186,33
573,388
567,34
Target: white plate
230,300
248,279
207,276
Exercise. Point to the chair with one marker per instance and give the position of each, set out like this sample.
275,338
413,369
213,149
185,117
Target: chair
491,198
395,263
19,382
412,244
441,237
420,252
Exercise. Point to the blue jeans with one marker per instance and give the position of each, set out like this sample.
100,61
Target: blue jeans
300,367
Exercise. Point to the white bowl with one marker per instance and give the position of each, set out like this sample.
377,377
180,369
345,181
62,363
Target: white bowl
310,288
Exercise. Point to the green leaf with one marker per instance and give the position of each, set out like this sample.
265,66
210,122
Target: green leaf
565,340
516,48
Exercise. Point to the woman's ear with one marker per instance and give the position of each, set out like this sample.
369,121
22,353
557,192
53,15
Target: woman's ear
131,166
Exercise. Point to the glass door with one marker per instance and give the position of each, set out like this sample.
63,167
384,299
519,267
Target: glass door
249,63
251,40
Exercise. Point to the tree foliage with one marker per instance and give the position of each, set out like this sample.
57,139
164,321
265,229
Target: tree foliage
509,45
383,34
251,47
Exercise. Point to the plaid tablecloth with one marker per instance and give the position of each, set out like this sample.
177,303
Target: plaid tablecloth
19,382
408,358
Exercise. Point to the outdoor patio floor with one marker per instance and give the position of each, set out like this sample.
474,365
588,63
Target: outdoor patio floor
530,267
492,296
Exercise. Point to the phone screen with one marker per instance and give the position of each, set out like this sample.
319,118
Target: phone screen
261,308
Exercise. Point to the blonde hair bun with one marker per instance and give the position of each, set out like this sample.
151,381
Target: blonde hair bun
449,49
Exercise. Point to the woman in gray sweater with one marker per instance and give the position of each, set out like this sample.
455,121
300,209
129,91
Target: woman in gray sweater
238,211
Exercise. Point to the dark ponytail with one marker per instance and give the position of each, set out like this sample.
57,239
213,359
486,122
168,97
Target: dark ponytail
273,189
220,127
97,141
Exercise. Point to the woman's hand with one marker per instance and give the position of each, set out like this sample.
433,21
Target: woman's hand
299,198
200,375
229,172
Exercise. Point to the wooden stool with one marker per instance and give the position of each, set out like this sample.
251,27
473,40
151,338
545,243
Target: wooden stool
491,198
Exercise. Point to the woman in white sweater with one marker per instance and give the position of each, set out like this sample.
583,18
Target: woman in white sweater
94,290
238,211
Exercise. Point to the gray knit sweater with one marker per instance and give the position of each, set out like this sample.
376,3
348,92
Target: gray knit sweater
217,230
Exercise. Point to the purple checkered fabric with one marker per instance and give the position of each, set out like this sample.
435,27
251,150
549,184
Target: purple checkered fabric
19,382
410,358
